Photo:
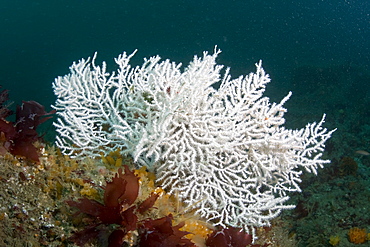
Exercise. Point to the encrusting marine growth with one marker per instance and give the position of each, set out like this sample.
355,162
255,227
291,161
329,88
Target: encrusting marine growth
224,152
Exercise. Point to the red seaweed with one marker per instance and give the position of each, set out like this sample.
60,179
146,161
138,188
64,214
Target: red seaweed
20,135
118,212
229,237
160,232
148,203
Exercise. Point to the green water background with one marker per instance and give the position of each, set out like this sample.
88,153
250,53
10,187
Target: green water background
302,43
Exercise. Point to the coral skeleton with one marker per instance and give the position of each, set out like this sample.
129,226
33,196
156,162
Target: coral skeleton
225,151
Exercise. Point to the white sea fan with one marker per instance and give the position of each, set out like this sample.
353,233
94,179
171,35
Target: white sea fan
225,152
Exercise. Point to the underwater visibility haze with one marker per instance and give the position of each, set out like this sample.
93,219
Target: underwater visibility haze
318,50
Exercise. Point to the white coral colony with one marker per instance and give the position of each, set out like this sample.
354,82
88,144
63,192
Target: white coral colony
225,152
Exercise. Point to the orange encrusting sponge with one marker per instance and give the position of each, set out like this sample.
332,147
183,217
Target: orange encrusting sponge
357,235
